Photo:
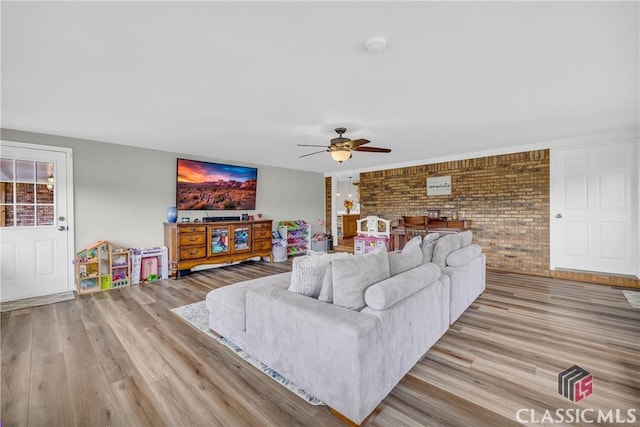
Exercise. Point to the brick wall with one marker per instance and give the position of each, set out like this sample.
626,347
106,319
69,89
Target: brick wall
506,197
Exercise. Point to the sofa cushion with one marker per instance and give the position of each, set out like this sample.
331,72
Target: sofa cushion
353,275
308,271
410,257
461,256
228,303
465,238
444,247
388,292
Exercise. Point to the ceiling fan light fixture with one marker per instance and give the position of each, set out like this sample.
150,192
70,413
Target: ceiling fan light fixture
340,155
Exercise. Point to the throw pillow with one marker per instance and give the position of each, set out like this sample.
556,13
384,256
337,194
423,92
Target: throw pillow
410,257
427,248
308,271
444,247
353,275
465,238
431,237
416,241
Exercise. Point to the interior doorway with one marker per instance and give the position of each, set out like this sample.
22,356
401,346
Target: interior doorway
345,210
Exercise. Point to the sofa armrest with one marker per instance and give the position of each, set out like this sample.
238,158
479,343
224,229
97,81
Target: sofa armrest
332,352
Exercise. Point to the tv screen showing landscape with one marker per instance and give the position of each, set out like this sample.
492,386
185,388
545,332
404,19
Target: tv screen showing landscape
214,186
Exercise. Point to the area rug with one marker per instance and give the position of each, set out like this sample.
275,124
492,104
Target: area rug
633,297
198,316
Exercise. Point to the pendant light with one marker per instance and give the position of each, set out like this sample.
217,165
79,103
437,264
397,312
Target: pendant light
338,193
350,188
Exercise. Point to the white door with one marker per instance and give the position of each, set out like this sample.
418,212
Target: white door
35,242
594,218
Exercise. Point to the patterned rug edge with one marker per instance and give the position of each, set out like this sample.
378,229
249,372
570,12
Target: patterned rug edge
197,315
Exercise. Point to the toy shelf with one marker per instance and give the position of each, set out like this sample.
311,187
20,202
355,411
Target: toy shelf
102,266
298,235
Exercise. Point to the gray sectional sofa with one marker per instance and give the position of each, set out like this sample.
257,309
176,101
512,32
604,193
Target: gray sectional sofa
348,328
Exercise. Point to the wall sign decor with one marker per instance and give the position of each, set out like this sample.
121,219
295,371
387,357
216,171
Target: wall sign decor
439,186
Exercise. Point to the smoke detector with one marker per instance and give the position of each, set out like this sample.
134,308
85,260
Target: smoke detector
375,44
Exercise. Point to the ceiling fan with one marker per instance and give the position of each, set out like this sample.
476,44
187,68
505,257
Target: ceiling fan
341,147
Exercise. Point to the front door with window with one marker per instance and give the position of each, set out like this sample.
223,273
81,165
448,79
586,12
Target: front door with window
34,221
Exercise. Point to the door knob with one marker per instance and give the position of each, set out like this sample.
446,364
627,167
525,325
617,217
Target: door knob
558,215
63,228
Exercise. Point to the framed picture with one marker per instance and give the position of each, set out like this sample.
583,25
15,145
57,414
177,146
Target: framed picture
439,186
433,214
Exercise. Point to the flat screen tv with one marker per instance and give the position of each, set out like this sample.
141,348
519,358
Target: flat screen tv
215,186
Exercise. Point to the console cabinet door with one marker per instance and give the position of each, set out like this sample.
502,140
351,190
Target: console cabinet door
241,241
218,240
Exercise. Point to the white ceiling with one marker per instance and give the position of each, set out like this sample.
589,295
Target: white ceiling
247,81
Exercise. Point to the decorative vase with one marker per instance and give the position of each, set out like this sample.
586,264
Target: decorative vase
348,211
172,214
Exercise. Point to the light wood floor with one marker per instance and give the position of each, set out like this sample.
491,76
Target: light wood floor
122,358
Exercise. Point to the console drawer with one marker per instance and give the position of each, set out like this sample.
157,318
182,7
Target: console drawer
193,252
192,228
260,245
192,239
261,233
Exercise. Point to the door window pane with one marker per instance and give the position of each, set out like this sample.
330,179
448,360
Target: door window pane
25,193
6,170
45,215
44,172
6,192
25,215
6,215
25,170
44,195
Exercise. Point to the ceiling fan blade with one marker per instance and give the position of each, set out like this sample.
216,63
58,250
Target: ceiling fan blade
311,145
311,154
354,144
373,149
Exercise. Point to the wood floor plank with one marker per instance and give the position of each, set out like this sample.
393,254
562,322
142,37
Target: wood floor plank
17,339
136,403
111,354
50,397
16,373
93,401
124,358
180,403
144,356
45,333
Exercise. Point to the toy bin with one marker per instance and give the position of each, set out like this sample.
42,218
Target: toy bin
279,250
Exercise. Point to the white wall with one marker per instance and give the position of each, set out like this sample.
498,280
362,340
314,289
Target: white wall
122,193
